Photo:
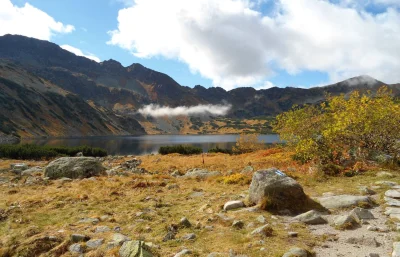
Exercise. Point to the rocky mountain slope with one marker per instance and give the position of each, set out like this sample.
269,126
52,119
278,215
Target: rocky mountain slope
32,107
124,90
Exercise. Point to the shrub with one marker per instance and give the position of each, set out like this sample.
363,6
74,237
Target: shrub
181,149
220,150
247,143
31,151
343,129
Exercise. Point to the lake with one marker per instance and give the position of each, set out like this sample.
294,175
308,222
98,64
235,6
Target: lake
147,144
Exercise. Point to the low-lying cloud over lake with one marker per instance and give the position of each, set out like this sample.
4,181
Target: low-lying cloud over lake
155,110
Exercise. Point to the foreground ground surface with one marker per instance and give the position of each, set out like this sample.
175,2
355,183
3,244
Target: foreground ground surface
141,206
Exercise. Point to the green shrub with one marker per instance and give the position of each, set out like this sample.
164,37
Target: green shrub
36,152
220,150
181,149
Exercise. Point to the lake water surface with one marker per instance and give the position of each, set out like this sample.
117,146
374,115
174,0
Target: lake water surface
140,145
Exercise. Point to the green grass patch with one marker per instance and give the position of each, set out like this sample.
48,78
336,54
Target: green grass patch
181,149
37,152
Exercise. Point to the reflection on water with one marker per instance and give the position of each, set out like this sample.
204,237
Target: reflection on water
140,145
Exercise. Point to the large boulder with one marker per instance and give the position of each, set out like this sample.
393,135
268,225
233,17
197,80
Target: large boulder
74,167
273,189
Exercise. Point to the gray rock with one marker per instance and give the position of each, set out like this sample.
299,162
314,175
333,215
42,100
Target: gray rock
75,248
74,167
247,169
392,210
231,205
392,193
281,191
396,249
386,183
292,234
343,201
215,255
93,221
75,238
311,217
18,168
362,214
119,239
265,230
185,223
394,216
261,219
190,236
393,202
386,174
364,190
238,224
102,229
345,221
31,171
94,243
172,186
201,173
296,252
366,241
131,164
135,249
183,252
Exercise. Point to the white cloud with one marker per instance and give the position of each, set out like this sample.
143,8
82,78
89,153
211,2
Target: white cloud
160,111
29,21
266,85
78,52
233,44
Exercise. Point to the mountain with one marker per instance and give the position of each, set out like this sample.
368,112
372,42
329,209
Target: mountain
109,95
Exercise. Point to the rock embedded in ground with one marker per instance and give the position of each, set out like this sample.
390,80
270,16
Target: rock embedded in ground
200,173
184,223
183,252
311,217
231,205
276,190
120,238
386,183
344,201
75,238
74,167
296,252
32,171
386,174
292,234
102,229
392,193
238,224
135,249
392,202
362,214
75,248
94,243
392,210
190,236
366,241
261,219
345,221
18,168
364,190
396,249
265,230
93,221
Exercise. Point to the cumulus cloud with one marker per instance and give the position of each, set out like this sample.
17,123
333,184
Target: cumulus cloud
266,85
160,111
78,52
234,44
29,21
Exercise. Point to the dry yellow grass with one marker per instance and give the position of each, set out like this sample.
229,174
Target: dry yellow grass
56,208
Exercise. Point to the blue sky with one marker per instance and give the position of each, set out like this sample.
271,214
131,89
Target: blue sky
229,43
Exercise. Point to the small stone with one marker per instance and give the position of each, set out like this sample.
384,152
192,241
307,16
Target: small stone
345,221
393,202
190,236
296,252
396,249
209,227
361,213
183,252
386,183
292,234
94,243
75,238
392,193
386,174
120,238
238,224
169,236
184,222
93,221
364,190
392,210
75,248
366,241
311,217
231,205
265,230
261,219
102,229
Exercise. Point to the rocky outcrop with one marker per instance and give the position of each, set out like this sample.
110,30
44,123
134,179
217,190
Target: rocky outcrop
275,190
135,249
74,167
